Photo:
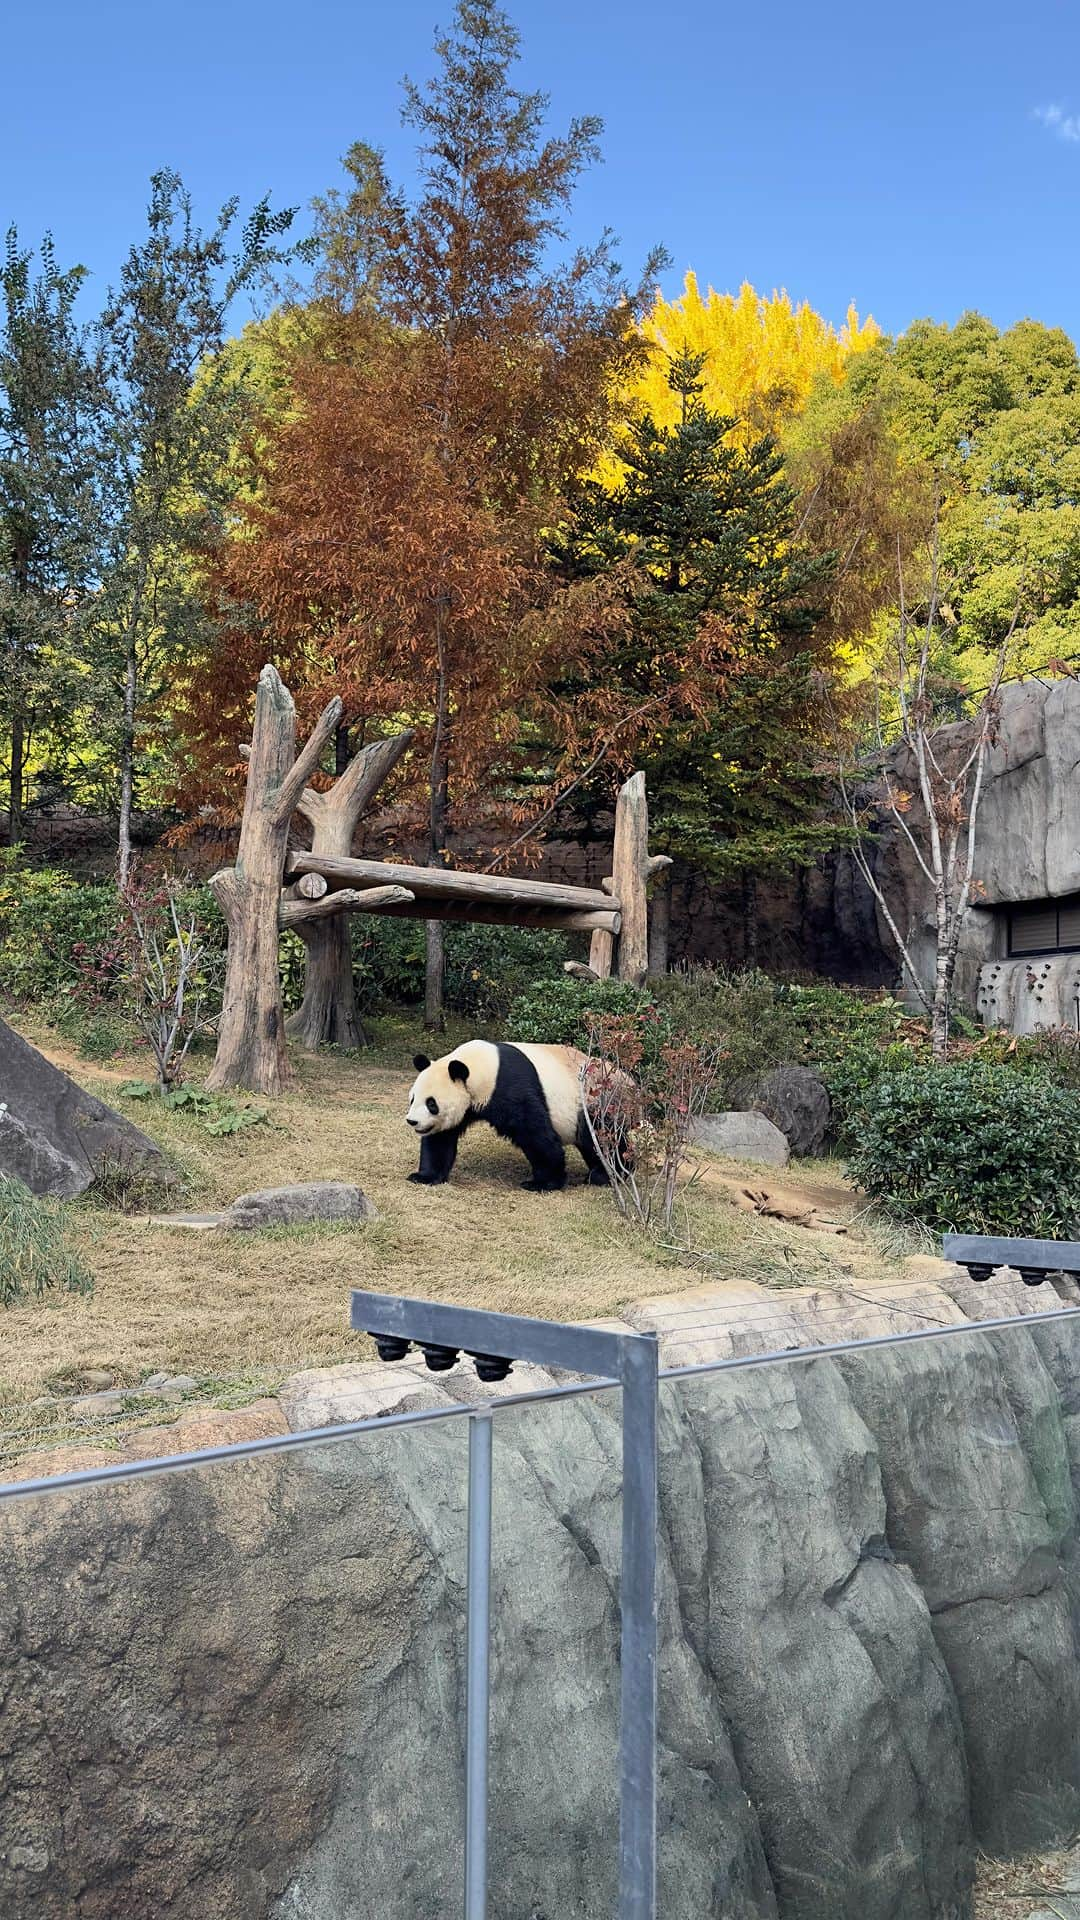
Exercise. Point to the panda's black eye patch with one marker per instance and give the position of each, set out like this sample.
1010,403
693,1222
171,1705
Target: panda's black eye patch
431,1105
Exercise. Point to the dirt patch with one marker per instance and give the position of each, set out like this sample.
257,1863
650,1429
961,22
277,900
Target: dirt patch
1041,1884
791,1198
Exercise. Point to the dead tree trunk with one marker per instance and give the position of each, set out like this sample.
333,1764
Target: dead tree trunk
629,867
251,1034
327,1016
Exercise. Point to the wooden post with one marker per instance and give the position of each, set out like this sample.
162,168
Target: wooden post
657,874
659,930
327,1014
629,865
251,1033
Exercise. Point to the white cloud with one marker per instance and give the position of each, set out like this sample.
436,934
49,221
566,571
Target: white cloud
1065,125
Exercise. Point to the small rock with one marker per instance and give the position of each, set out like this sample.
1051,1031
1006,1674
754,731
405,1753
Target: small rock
96,1379
99,1406
741,1136
31,1859
303,1205
155,1380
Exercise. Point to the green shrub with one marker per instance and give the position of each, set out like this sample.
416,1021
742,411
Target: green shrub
486,967
561,1011
48,926
742,1013
1053,1056
64,944
851,1039
36,1254
971,1148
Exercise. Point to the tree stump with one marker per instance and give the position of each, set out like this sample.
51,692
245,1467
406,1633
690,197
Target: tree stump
251,1035
327,1015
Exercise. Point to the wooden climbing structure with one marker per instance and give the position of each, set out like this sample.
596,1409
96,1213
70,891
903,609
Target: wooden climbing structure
271,888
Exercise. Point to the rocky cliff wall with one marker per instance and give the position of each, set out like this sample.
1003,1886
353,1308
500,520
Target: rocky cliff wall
238,1692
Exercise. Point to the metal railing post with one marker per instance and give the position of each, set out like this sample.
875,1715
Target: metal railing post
495,1341
478,1665
638,1607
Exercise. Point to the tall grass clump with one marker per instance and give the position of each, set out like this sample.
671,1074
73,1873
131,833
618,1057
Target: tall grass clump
36,1253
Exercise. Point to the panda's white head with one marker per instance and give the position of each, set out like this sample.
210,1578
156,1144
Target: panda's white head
439,1096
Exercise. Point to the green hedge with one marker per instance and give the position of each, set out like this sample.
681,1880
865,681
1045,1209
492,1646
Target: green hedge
971,1147
486,967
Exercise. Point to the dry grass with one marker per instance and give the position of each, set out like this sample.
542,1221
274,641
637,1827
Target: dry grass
240,1314
1019,1889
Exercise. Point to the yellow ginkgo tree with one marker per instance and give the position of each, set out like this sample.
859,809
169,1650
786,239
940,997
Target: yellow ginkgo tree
763,354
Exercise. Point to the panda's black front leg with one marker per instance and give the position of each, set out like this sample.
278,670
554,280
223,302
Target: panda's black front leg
438,1151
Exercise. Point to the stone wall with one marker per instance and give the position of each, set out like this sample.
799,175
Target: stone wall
239,1691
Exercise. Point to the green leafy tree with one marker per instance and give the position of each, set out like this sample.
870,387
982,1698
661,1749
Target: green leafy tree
50,521
994,420
175,407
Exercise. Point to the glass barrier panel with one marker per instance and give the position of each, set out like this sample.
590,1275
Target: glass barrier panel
554,1770
236,1691
870,1602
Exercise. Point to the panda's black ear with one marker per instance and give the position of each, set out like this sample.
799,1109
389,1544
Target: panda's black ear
458,1070
420,1061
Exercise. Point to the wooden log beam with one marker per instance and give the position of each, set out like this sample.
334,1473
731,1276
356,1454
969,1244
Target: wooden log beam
310,886
299,913
442,883
485,913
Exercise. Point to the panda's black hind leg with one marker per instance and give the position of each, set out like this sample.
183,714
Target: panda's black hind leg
548,1171
598,1175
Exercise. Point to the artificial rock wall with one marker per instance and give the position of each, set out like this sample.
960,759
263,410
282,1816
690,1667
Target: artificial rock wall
239,1691
1027,849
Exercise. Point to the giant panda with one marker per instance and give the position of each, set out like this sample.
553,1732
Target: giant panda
532,1095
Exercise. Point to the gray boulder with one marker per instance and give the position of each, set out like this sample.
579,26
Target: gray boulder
741,1136
795,1099
54,1137
299,1206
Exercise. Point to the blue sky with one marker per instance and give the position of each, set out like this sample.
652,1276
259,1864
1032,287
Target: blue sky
917,160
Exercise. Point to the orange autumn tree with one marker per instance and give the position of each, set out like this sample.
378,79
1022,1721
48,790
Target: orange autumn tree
393,550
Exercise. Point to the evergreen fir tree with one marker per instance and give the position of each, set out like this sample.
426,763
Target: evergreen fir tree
705,529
